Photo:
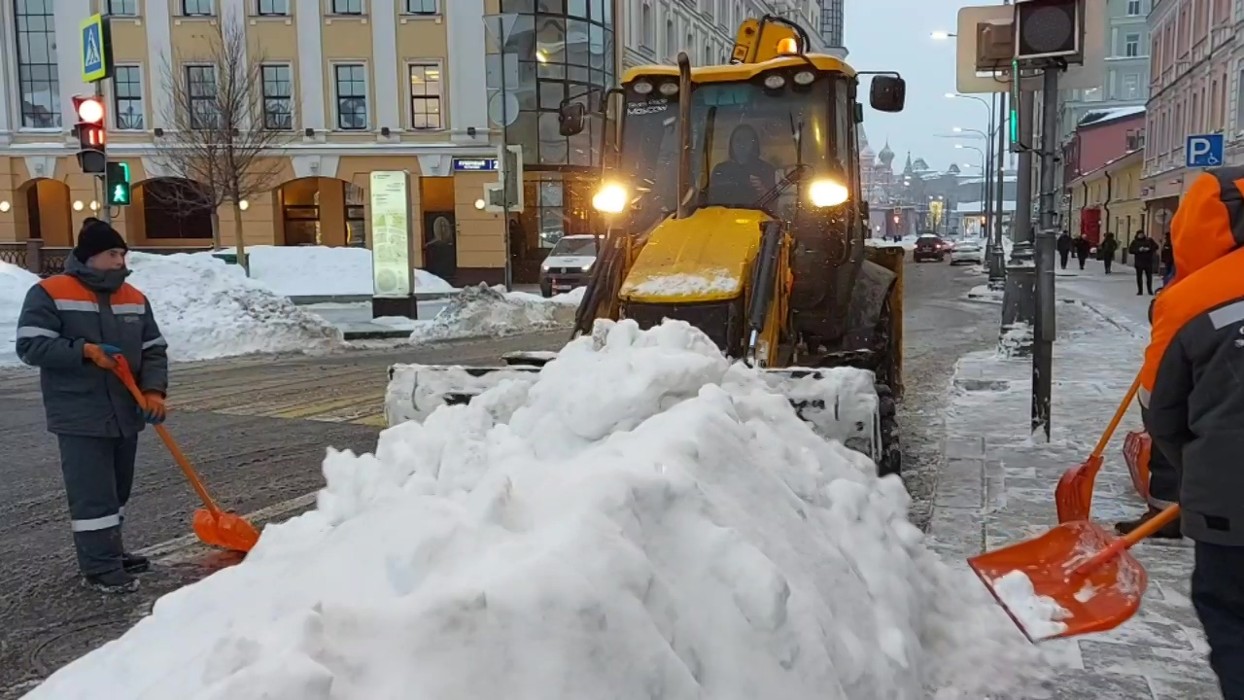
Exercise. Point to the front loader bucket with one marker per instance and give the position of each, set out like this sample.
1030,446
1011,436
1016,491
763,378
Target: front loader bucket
840,403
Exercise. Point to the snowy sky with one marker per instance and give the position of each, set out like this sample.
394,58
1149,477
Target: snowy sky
894,35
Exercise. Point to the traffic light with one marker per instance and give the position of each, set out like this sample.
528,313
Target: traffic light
117,185
92,134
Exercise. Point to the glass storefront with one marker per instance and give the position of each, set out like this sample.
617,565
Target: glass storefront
554,50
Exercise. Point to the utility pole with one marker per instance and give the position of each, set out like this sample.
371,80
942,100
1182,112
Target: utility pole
987,201
1019,299
1044,330
996,273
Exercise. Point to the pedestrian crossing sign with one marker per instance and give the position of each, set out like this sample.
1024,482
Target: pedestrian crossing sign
96,49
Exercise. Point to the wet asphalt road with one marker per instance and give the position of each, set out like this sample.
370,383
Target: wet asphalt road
257,429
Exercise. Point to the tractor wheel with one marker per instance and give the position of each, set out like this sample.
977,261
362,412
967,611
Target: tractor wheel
891,460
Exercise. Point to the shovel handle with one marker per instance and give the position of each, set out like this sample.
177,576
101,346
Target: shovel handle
1118,417
1146,529
123,372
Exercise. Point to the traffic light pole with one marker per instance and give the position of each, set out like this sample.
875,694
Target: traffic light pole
105,209
1043,336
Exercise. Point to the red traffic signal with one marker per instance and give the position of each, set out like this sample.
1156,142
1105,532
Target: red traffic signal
90,110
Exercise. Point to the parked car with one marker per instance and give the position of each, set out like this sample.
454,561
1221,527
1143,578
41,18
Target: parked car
568,264
967,252
929,247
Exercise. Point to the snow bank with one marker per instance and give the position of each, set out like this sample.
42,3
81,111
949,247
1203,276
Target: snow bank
646,520
324,271
14,281
491,311
207,309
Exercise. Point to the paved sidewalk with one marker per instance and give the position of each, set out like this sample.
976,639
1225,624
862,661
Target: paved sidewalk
996,487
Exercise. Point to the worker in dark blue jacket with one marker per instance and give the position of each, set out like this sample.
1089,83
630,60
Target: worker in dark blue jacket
71,327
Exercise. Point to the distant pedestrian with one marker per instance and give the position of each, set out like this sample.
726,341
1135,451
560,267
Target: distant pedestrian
1064,249
1168,257
1191,390
71,327
1144,252
1083,248
1106,250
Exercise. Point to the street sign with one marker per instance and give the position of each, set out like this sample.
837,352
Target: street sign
1204,151
1091,74
475,164
96,45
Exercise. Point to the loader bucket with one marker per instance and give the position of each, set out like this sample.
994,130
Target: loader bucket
840,403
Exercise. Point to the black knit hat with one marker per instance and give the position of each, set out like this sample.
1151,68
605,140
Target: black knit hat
95,238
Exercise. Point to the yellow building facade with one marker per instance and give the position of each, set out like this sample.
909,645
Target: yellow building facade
353,86
1112,193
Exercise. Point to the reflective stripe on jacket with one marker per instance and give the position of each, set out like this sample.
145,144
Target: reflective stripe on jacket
59,316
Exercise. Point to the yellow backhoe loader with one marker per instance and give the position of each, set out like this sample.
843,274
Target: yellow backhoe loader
734,200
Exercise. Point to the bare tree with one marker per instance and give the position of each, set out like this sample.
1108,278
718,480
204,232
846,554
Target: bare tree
216,134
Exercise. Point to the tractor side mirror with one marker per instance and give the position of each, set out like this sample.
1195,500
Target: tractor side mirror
888,93
570,118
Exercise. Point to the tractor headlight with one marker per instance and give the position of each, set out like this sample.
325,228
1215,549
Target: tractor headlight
642,87
828,193
775,81
805,77
669,88
611,198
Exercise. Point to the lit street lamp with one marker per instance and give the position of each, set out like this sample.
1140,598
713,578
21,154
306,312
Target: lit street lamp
942,36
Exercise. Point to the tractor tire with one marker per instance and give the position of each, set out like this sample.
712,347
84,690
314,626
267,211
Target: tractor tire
891,461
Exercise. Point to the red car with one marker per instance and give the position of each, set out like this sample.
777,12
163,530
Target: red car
930,247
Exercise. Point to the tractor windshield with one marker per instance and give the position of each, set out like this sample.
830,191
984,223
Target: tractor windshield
745,139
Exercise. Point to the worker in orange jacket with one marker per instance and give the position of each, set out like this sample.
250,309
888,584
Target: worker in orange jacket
1192,389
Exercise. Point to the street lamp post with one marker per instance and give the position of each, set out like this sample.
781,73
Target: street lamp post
985,189
989,169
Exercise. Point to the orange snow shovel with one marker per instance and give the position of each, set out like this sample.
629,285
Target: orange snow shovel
1084,569
212,525
1074,493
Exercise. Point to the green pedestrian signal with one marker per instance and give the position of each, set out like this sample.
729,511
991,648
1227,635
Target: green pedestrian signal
117,184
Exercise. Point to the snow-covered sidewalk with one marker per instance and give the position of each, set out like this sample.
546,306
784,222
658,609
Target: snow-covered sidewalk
997,485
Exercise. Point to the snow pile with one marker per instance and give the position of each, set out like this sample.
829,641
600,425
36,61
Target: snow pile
14,282
1016,340
324,271
485,311
206,309
647,520
679,284
1040,615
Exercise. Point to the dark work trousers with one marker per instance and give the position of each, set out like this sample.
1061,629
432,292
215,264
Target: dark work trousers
1144,279
99,473
1163,479
1063,256
1108,262
1082,258
1218,595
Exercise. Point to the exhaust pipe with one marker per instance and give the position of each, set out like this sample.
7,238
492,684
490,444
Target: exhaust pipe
684,135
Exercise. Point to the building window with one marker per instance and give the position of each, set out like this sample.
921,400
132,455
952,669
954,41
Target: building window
197,8
645,24
347,7
1131,86
351,79
127,98
123,8
272,8
201,96
1133,8
425,96
421,7
37,75
278,93
1131,45
671,49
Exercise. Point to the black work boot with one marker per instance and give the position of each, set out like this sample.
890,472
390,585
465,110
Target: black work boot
114,582
135,563
1169,531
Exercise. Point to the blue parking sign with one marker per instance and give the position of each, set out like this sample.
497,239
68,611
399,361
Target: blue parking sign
1204,151
96,48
